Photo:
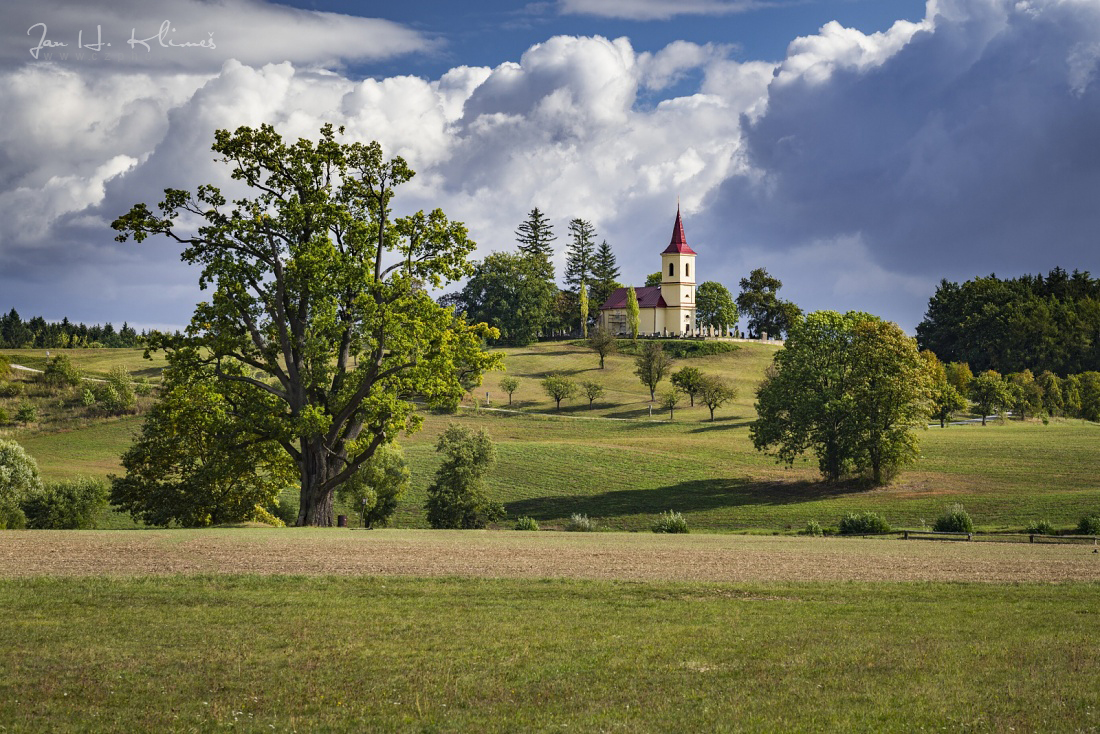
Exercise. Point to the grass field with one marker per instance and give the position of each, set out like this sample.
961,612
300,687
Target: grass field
624,472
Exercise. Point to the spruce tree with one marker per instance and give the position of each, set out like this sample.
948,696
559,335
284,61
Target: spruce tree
605,274
581,255
534,236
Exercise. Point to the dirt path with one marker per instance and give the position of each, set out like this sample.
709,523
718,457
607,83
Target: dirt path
509,554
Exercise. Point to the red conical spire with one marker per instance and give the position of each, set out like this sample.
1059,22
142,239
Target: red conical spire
679,241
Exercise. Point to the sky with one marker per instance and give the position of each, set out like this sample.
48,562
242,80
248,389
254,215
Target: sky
860,150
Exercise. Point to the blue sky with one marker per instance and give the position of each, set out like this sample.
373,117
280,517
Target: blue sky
860,150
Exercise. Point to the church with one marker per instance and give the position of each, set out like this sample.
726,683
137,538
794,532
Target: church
664,310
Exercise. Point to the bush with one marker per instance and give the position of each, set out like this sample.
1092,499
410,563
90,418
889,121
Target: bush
18,482
116,394
456,497
675,348
4,417
27,413
954,520
580,524
11,389
670,522
66,505
813,527
1089,525
61,372
284,510
527,523
866,523
373,490
142,387
1041,527
87,398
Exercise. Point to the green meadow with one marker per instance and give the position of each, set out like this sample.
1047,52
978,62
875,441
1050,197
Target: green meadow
621,465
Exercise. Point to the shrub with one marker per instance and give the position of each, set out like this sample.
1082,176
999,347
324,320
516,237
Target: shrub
813,527
373,490
954,520
87,398
66,505
456,497
142,387
61,372
579,523
4,417
1089,525
1041,527
116,394
865,523
27,413
527,523
18,482
11,389
670,522
284,510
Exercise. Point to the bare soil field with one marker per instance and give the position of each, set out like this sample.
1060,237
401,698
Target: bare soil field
510,554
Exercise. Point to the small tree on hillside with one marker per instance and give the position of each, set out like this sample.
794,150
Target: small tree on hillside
592,390
990,393
669,400
60,372
946,400
1027,394
559,388
633,312
19,481
509,385
603,342
689,379
456,498
714,392
651,366
959,376
1052,393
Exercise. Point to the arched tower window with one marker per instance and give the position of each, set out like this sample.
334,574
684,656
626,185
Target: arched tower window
687,270
670,270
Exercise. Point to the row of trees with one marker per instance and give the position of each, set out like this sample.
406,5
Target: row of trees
37,333
1022,393
1031,322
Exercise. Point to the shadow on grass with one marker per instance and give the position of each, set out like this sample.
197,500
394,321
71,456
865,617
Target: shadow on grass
694,496
722,424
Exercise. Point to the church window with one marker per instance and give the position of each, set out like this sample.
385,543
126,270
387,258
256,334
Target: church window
671,272
687,270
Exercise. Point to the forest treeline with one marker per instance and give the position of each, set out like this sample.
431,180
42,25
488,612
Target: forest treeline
37,333
1009,325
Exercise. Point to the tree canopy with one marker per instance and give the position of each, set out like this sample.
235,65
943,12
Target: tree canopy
510,293
319,326
759,302
714,306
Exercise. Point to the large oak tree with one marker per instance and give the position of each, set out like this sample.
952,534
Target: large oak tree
319,316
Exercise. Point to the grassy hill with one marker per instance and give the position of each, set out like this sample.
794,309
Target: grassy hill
613,462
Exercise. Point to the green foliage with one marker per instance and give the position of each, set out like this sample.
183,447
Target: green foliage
603,343
61,372
959,376
669,400
592,390
526,523
990,393
675,348
1041,527
116,394
512,294
670,522
582,300
954,519
456,497
654,279
863,523
5,368
11,389
4,417
559,388
605,274
580,523
87,397
1051,386
534,236
851,389
580,255
1029,322
1071,396
714,392
26,413
376,486
1090,395
509,385
633,312
813,528
714,306
1089,525
1027,394
19,481
689,380
760,304
651,366
328,380
193,464
71,504
945,399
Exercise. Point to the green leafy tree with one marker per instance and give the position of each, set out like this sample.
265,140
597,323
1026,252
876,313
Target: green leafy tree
61,372
945,399
959,376
990,393
116,394
592,390
1052,393
1027,397
376,487
669,400
194,464
760,304
690,380
456,497
509,385
1071,396
651,365
603,342
714,392
653,279
714,306
583,300
559,388
633,313
535,236
509,293
1090,395
848,388
71,504
19,481
323,298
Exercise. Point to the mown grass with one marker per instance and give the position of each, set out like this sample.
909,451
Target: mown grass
93,362
353,654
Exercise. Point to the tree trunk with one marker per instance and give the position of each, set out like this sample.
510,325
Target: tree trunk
315,506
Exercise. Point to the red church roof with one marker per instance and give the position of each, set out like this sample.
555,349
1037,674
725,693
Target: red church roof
679,242
647,298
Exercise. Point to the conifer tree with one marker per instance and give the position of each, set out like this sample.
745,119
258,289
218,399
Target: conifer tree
581,255
534,236
605,274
